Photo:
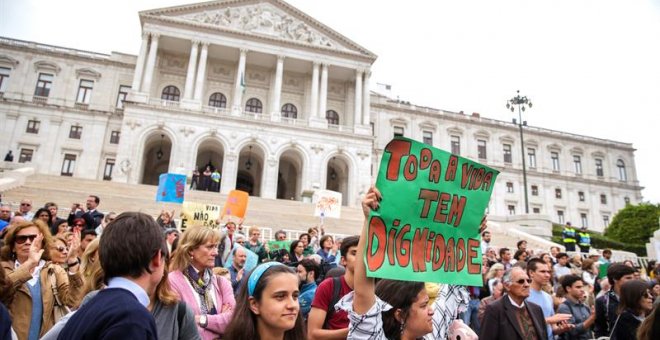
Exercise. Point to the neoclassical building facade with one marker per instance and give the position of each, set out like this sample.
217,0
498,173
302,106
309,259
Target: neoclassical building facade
281,105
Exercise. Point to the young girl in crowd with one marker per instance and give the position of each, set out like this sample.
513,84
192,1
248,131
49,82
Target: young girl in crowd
267,306
328,250
635,304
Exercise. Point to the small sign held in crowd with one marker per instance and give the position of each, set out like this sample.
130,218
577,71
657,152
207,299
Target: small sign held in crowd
327,203
199,214
171,188
236,204
427,226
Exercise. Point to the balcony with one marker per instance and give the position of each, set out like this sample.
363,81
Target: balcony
40,100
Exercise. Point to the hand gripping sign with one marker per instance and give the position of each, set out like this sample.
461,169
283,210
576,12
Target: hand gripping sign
427,226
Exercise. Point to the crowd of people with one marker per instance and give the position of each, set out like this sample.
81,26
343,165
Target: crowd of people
95,275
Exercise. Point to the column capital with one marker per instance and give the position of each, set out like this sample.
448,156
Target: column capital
195,42
280,57
205,43
244,50
145,35
154,35
316,63
359,71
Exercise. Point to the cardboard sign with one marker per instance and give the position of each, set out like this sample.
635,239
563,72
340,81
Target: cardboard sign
250,262
277,245
427,226
199,214
171,188
236,204
327,203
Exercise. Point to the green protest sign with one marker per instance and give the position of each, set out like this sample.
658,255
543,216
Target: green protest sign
277,245
427,226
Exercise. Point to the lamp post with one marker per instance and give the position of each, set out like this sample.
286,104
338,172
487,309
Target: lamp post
522,103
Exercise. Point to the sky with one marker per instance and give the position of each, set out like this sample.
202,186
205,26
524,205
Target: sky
589,67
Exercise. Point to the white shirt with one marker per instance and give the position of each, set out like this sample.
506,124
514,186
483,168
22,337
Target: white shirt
35,271
514,303
134,288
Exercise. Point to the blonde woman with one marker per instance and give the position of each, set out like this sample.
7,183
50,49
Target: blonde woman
496,272
210,297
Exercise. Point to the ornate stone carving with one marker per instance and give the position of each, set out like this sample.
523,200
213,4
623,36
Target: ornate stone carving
174,62
263,19
317,148
231,157
363,154
272,162
213,131
221,70
258,76
187,131
132,123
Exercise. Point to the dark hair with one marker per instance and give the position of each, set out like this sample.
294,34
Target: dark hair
42,210
630,294
50,204
293,246
243,324
311,265
400,295
607,251
520,242
97,200
560,255
569,280
309,238
128,245
347,243
87,232
518,253
502,251
323,239
616,271
485,232
7,251
533,264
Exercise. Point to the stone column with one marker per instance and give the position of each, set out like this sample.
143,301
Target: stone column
357,113
151,63
201,73
239,85
315,92
190,75
276,113
323,97
366,100
229,173
269,178
139,67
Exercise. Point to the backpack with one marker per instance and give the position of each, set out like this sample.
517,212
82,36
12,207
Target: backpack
336,289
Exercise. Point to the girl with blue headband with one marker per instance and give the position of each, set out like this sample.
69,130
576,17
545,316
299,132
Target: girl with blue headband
267,306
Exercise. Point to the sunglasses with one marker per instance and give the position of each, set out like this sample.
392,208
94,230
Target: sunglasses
20,239
26,204
522,281
61,249
78,225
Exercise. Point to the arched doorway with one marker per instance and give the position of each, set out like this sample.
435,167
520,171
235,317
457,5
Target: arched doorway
210,153
337,177
250,169
289,176
156,158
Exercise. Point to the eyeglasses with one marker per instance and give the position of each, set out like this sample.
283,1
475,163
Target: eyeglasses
62,249
20,239
522,281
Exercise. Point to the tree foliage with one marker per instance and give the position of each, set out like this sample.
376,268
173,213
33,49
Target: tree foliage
634,224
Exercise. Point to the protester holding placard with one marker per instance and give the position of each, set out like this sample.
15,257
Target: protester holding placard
254,244
328,251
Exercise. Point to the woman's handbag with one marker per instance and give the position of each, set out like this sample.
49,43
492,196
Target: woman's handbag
59,309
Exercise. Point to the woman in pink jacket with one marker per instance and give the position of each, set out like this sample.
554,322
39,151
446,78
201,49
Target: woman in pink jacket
211,298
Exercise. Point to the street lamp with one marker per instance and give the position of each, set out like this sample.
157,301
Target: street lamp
522,103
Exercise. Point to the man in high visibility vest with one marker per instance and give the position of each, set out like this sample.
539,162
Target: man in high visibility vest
568,235
584,240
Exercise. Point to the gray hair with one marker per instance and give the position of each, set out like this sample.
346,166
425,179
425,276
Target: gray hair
506,279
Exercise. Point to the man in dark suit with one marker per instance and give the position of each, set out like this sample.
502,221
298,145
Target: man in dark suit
511,317
92,217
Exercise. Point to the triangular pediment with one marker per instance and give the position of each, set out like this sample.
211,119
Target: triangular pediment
271,19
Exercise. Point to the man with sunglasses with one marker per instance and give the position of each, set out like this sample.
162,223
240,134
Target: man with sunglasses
511,317
539,273
26,209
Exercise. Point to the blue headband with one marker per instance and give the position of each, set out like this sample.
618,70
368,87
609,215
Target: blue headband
256,275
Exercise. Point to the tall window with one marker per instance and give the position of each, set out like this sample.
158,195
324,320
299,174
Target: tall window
25,156
398,131
577,162
481,149
75,132
171,93
68,165
560,216
84,91
114,137
599,167
583,220
4,78
581,196
512,209
506,149
332,117
622,170
603,199
606,220
121,96
427,137
535,190
456,145
107,171
44,83
531,154
557,193
218,100
254,105
555,161
33,126
509,187
290,111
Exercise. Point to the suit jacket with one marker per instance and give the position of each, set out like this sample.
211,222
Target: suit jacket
92,219
500,321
